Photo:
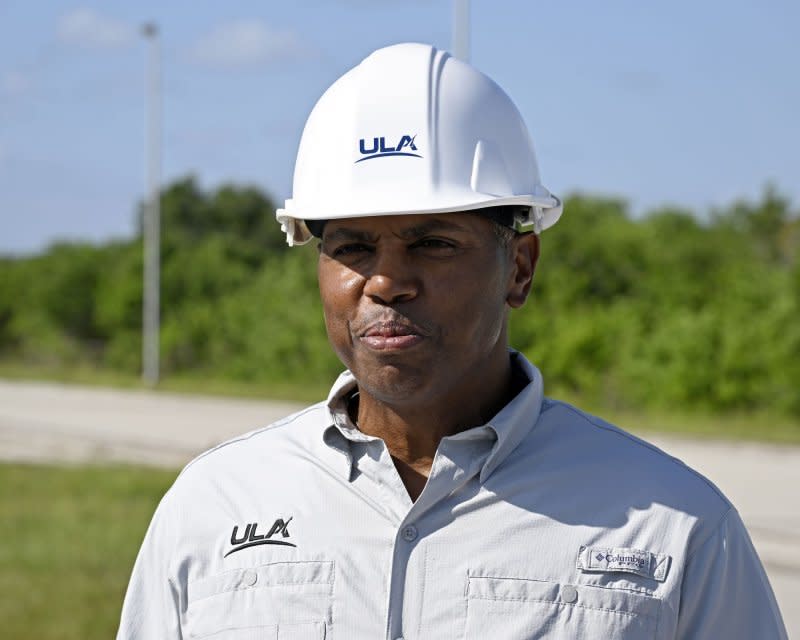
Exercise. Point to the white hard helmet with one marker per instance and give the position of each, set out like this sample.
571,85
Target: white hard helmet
413,130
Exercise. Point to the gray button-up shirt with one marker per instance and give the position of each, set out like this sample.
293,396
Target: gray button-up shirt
544,523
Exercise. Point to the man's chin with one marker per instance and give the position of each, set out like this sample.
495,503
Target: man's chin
394,383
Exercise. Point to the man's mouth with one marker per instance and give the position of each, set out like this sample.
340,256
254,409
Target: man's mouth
391,335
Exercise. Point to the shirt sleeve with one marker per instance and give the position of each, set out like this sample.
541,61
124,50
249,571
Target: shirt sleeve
152,602
726,593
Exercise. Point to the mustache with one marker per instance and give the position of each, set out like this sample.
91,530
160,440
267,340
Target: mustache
389,323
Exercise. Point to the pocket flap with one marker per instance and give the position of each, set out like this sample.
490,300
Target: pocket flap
310,573
587,597
281,599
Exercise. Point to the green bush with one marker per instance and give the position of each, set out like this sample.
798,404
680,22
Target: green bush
669,310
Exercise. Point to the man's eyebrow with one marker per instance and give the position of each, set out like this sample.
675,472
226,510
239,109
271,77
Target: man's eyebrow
436,224
344,234
417,231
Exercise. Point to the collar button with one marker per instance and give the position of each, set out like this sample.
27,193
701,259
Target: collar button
409,533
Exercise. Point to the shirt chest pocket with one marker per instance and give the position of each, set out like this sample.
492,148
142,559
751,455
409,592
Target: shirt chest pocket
278,601
520,609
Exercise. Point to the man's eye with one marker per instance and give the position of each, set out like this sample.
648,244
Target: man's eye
349,249
434,243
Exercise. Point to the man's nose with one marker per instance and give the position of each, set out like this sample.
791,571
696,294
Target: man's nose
392,279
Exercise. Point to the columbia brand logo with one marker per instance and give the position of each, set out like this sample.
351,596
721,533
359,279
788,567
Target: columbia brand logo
377,148
624,560
632,560
251,538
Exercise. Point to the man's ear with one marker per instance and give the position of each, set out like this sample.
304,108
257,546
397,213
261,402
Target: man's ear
525,253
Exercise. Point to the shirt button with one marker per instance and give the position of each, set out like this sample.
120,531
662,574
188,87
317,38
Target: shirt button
410,534
249,578
569,593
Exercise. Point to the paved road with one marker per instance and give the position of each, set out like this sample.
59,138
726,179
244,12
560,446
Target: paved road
51,422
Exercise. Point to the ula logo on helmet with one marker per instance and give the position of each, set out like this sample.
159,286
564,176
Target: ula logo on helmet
379,149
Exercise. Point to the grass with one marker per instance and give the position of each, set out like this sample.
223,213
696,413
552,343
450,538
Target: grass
197,383
68,540
761,427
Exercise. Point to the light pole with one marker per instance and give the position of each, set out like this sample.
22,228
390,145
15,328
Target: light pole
152,214
461,29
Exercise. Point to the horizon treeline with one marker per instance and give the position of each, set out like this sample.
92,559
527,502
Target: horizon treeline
668,310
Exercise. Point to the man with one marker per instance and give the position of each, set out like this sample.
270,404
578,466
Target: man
437,493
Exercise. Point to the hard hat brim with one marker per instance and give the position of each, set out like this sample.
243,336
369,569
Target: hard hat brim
545,212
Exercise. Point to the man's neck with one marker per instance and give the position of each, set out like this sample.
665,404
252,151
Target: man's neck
412,430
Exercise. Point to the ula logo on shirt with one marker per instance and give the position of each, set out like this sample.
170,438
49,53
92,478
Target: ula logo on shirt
251,538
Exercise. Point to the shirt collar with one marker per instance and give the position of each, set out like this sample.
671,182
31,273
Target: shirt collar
514,421
338,408
507,428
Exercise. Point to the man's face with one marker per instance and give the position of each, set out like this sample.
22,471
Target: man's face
417,304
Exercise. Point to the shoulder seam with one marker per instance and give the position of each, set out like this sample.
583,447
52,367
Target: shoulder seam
622,433
250,434
714,531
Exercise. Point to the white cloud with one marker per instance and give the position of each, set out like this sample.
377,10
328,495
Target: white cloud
86,28
13,83
246,43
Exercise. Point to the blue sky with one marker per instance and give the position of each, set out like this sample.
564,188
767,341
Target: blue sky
692,104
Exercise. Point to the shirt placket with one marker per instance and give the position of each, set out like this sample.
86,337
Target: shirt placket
458,459
455,464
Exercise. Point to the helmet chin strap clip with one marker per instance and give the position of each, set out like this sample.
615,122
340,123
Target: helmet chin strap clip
537,218
532,221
